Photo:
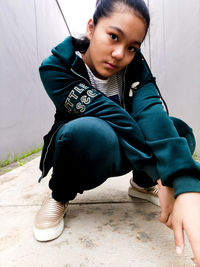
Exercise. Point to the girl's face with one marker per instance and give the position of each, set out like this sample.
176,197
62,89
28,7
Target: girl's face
113,42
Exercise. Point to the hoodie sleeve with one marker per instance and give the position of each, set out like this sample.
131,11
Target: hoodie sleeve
72,95
174,161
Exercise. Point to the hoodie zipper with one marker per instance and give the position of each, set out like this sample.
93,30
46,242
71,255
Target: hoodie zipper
57,130
43,171
80,76
124,87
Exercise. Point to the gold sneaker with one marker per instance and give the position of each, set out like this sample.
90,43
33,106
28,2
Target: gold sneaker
150,193
49,222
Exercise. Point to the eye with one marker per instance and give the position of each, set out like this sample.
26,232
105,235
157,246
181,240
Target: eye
132,49
113,37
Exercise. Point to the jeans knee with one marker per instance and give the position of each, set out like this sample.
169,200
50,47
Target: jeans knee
88,134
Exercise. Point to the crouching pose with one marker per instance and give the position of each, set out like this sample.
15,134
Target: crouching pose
110,120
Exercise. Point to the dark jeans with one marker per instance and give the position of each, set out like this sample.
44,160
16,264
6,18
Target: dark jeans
87,153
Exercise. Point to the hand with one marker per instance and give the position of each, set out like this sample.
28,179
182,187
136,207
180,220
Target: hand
166,198
186,217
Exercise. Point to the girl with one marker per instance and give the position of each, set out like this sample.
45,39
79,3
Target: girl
110,120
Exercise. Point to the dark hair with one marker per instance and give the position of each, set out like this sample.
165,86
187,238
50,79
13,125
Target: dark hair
105,7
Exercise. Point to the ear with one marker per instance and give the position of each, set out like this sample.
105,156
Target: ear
90,29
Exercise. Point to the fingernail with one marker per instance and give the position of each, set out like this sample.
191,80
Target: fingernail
179,250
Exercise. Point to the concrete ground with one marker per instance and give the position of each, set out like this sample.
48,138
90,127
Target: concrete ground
103,227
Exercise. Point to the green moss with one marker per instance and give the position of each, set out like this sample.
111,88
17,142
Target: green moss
21,162
196,157
18,157
5,162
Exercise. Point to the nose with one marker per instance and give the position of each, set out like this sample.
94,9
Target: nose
118,53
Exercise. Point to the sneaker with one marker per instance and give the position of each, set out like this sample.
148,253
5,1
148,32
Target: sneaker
49,222
150,193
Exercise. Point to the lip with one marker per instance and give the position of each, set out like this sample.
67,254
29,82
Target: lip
110,65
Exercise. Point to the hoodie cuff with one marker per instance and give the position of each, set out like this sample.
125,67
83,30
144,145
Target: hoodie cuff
185,184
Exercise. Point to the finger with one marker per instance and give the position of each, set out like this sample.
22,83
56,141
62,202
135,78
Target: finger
169,222
178,238
196,254
164,217
195,245
196,264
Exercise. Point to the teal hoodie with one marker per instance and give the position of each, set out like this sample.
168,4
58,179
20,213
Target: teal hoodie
146,133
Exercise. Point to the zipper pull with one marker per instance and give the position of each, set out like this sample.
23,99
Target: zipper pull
133,88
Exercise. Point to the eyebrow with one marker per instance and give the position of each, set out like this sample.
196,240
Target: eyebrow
122,33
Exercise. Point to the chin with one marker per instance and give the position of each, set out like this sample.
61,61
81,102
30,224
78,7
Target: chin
105,74
102,76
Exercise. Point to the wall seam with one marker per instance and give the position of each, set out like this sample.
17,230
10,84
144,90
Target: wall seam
36,30
164,38
149,35
63,16
163,15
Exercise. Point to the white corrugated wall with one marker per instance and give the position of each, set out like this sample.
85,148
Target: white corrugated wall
29,29
175,57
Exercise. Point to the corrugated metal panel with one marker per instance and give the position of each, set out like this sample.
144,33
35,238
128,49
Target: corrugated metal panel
31,28
28,29
77,14
175,57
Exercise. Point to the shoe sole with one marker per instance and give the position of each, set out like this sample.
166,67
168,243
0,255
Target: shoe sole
50,233
134,193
